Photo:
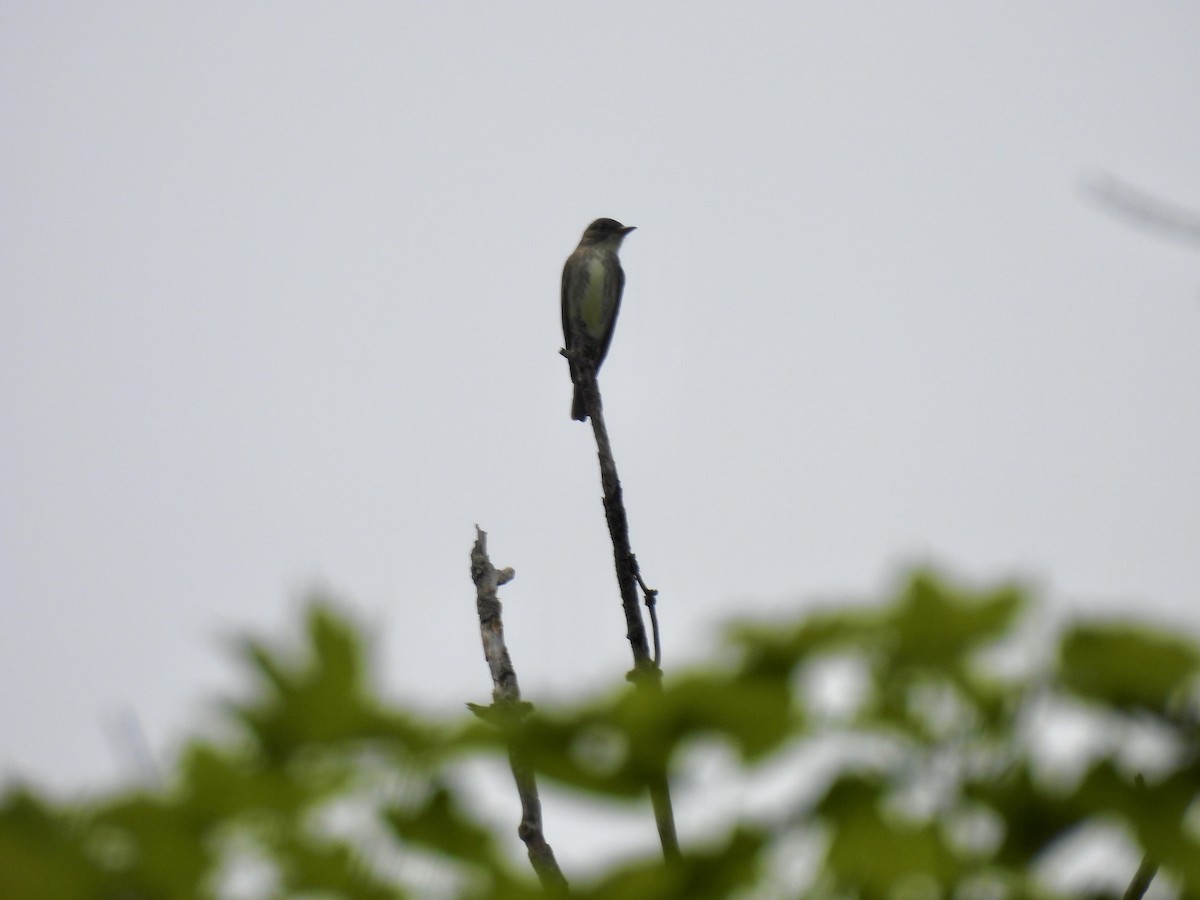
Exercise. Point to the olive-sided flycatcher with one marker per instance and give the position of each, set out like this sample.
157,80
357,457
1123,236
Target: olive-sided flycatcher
592,282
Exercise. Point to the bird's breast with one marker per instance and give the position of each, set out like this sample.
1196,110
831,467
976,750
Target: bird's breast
592,308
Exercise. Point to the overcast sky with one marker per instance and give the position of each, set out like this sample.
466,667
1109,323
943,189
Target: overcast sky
280,311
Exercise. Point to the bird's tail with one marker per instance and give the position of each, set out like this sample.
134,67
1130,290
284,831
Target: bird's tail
577,411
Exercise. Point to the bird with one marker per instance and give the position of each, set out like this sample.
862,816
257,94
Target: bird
592,283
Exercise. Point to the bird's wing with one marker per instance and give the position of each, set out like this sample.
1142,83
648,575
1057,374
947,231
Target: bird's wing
566,289
612,319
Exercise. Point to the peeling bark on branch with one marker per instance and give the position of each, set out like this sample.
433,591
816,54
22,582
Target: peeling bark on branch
508,711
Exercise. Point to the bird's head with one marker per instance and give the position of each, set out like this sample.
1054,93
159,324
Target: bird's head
606,231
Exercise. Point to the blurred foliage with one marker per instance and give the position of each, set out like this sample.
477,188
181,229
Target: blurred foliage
964,742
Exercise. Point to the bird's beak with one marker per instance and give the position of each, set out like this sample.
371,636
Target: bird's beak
628,228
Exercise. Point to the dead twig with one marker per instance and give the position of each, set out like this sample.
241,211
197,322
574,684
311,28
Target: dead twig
646,673
508,710
1141,209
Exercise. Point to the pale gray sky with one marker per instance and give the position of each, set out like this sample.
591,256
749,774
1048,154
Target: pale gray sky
280,308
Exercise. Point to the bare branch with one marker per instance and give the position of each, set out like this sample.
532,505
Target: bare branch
650,599
1141,880
1143,210
508,711
1148,869
646,673
614,511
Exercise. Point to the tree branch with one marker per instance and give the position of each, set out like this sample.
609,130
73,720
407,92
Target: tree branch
646,674
1142,209
1141,879
508,710
1149,867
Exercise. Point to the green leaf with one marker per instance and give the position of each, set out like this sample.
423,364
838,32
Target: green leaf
1128,666
441,825
774,650
326,698
588,751
166,849
41,850
755,713
1034,815
935,626
705,875
1155,811
870,852
218,785
335,869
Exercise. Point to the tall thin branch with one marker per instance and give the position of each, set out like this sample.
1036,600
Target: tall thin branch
1141,879
1144,210
1149,866
646,673
508,710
